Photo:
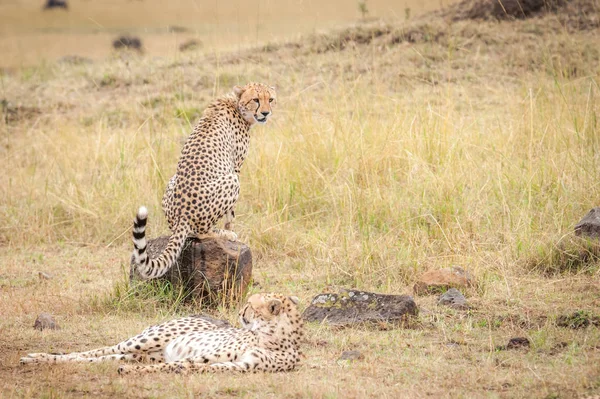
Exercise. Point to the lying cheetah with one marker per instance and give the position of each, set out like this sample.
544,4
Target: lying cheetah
206,186
269,341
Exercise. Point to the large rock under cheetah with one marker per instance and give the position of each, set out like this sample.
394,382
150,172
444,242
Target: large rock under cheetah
211,271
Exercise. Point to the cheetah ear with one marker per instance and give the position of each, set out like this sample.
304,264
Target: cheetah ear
238,91
274,88
294,299
274,306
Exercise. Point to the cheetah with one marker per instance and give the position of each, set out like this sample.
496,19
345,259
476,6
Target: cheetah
206,184
268,341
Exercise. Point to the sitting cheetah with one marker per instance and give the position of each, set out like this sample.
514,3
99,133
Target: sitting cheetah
268,341
206,186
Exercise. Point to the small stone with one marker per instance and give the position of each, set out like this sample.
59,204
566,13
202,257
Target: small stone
454,299
191,44
515,343
56,4
44,276
518,343
351,355
45,321
436,281
128,42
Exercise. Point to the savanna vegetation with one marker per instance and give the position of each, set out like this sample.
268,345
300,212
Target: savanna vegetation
404,141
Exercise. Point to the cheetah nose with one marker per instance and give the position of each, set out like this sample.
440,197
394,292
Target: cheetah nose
265,113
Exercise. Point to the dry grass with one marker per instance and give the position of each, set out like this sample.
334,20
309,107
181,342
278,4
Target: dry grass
396,148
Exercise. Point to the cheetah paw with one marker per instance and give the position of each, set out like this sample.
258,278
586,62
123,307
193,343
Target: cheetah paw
28,360
230,235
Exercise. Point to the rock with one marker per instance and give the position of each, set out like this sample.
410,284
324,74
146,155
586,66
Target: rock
353,307
128,42
45,321
518,343
351,355
56,4
209,270
589,226
436,281
515,343
454,299
191,44
44,276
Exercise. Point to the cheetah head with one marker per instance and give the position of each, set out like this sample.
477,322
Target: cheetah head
255,101
270,309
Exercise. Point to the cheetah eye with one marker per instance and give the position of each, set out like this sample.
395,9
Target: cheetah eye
255,100
270,100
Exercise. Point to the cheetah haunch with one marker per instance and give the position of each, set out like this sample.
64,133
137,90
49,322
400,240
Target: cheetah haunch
206,185
269,342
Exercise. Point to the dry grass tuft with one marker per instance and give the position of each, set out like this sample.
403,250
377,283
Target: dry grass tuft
571,254
574,14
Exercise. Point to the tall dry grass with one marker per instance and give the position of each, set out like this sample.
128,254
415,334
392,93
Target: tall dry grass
350,183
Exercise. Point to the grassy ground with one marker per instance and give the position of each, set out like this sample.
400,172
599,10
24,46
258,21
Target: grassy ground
397,147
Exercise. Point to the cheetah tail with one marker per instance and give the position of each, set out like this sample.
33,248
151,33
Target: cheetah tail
152,268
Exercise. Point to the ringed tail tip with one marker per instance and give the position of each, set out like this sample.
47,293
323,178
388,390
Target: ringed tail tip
142,212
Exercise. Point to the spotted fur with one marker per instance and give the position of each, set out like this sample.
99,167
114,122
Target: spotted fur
269,341
148,346
206,185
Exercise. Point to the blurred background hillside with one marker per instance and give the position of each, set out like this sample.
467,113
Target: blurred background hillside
29,33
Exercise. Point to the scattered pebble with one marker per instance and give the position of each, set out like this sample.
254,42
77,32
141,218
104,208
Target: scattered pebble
515,343
454,299
191,44
44,276
351,355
